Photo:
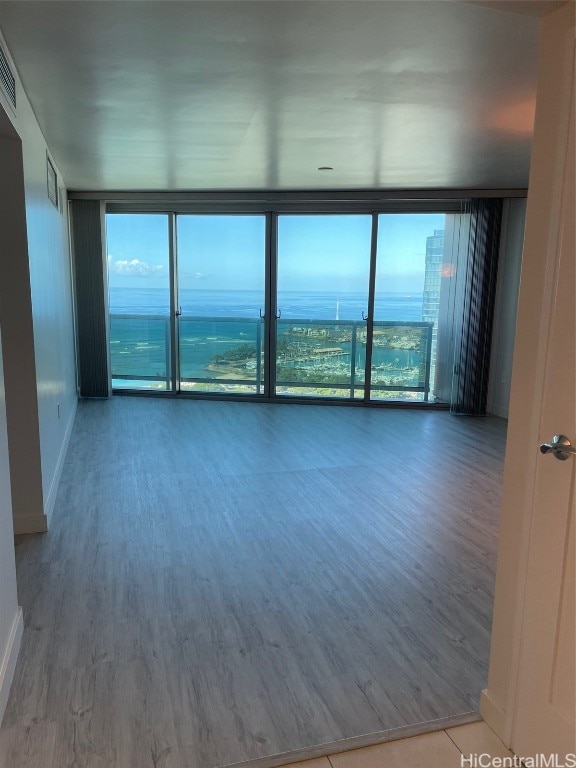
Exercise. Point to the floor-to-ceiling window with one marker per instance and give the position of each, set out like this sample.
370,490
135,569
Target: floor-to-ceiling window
345,306
408,282
221,303
322,305
138,256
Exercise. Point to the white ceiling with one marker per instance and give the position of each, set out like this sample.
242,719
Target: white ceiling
256,95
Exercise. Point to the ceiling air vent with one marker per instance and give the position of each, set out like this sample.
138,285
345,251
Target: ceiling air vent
7,78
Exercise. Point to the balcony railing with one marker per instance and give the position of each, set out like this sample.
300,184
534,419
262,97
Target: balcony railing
314,357
140,351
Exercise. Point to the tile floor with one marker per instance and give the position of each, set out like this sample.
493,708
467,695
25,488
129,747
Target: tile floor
442,749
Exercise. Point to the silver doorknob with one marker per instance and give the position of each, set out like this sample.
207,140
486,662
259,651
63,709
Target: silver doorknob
560,447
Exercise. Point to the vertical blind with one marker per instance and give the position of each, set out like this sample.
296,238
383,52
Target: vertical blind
472,350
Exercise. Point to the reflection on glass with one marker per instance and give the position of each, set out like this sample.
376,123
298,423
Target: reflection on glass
221,295
401,360
406,305
323,273
139,300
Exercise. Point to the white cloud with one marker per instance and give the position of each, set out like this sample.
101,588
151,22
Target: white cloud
134,267
194,275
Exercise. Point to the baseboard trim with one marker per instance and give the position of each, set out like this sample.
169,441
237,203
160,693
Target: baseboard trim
9,661
493,715
51,498
357,742
30,524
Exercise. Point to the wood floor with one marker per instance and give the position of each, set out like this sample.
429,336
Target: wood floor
228,581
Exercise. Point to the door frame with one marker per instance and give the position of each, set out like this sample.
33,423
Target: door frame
498,703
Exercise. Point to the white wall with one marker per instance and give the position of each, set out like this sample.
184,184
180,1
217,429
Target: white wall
37,366
511,245
10,614
50,289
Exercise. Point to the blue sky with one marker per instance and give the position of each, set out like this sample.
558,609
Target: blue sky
315,253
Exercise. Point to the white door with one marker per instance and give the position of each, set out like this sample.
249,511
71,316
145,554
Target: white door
545,713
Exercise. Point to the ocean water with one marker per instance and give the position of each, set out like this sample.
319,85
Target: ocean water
301,305
215,322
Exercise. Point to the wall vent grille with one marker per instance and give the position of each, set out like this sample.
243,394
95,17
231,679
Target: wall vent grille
7,78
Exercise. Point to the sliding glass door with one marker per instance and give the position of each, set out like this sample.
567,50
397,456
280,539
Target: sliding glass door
138,256
221,303
322,304
344,306
408,287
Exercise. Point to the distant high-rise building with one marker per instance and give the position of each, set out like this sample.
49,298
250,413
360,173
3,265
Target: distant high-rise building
431,297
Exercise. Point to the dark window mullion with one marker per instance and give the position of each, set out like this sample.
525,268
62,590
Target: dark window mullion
371,300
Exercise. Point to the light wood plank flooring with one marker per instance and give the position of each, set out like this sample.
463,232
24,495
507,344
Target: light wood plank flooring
228,581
